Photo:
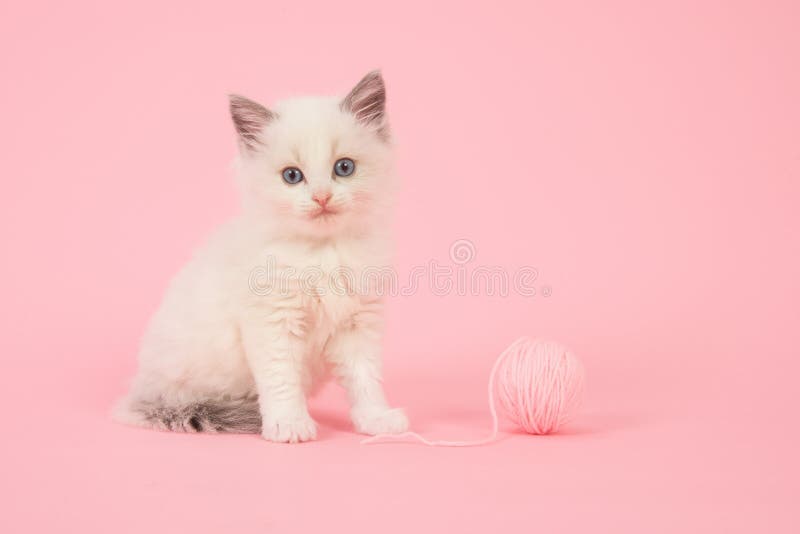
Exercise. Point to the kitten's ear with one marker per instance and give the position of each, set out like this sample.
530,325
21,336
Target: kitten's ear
367,101
249,118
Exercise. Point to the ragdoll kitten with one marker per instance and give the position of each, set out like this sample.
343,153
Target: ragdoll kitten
243,334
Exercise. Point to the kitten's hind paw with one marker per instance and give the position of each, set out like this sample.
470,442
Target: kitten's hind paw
292,429
386,421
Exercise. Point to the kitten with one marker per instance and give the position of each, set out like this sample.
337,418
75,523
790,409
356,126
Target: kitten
223,353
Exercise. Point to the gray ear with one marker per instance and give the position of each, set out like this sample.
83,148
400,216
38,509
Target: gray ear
249,118
367,101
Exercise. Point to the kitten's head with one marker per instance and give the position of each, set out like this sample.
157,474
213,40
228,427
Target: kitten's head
316,167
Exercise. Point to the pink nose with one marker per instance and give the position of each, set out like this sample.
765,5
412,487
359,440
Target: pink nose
322,198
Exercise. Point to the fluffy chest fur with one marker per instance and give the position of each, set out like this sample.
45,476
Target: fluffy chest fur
322,288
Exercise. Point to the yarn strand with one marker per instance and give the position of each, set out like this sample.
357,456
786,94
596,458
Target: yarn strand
394,438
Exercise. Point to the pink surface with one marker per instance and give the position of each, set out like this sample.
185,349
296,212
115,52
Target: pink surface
644,159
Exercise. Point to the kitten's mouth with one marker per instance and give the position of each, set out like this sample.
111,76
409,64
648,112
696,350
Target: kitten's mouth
324,213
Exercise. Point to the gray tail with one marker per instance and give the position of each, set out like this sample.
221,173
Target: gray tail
212,415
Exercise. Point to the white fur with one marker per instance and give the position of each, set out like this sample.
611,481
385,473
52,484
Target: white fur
214,336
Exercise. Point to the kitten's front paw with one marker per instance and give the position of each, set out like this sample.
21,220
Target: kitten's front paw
384,421
292,429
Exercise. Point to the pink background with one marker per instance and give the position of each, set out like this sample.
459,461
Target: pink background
644,158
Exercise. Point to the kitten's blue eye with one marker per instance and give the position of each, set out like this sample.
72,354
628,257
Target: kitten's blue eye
292,175
344,167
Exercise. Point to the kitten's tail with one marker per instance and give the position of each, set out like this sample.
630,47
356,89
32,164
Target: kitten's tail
210,415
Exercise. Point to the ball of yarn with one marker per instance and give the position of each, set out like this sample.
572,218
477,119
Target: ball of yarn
539,385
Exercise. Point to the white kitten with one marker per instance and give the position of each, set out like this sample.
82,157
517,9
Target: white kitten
230,351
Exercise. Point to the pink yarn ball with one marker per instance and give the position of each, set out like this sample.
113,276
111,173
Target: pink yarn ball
539,385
